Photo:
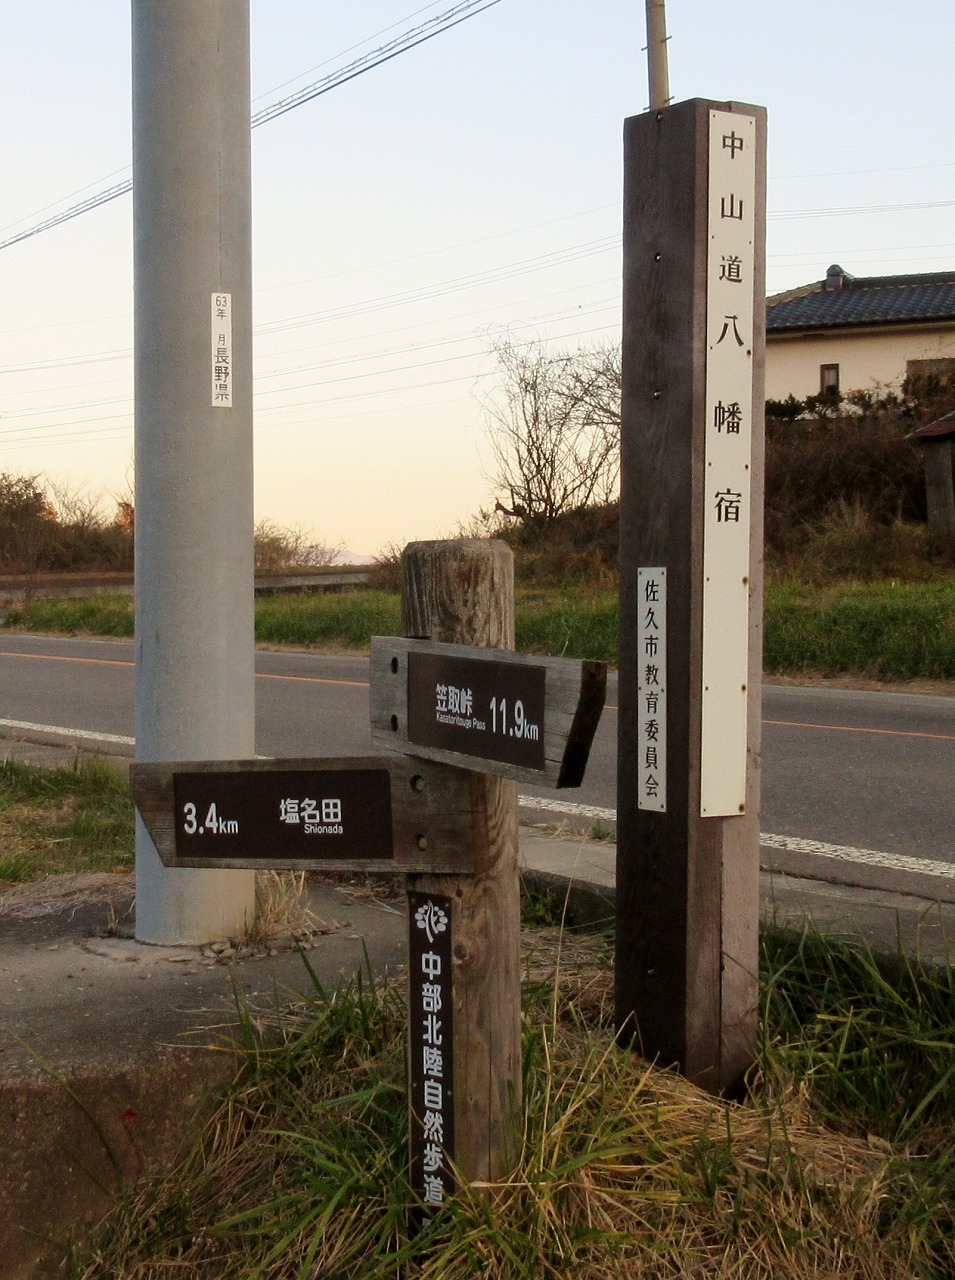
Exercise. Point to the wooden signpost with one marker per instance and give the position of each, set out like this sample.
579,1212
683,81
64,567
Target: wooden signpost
443,701
691,587
463,593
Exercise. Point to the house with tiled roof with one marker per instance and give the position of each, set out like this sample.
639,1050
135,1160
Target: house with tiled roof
869,333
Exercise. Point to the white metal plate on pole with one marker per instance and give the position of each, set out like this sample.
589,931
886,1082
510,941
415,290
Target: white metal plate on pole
727,515
652,689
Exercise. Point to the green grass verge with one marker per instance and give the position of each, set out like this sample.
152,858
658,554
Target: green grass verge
345,619
572,623
104,614
885,631
55,821
622,1170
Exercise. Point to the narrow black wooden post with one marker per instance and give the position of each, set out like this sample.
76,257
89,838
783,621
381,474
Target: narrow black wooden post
690,586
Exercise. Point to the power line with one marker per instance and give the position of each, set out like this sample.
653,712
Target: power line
423,293
92,202
856,209
401,44
494,275
341,53
14,436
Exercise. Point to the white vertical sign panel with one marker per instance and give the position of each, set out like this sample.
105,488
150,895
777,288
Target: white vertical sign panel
222,350
652,689
731,262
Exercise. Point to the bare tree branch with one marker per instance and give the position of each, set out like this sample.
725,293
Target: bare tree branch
554,429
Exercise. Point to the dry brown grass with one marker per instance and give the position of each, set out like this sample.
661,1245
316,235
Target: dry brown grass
625,1170
281,908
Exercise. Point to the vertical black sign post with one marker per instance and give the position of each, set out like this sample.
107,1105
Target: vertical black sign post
690,586
431,1047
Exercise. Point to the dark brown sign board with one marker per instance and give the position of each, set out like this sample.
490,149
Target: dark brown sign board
368,813
515,715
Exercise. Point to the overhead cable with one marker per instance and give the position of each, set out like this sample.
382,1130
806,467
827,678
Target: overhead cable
401,44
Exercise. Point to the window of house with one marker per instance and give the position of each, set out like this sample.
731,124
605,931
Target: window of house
943,369
828,379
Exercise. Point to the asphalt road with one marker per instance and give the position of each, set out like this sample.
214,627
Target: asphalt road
865,772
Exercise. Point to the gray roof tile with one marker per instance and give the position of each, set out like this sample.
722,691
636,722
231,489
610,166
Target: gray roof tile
842,301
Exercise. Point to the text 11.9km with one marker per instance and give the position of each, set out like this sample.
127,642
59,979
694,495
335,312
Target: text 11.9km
519,726
478,707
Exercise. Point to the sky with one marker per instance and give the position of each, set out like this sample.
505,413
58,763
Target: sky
402,222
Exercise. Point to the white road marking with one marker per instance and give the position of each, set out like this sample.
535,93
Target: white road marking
85,734
818,848
871,857
568,807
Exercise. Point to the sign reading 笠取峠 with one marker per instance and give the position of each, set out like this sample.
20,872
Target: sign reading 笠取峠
528,718
489,708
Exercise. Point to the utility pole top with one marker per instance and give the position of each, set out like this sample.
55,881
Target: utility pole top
657,54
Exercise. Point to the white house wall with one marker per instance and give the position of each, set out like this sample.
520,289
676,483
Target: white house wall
868,359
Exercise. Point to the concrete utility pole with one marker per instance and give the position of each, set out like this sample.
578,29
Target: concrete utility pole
195,652
657,62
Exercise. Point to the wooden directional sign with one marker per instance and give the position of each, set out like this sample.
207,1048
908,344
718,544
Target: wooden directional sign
528,718
394,815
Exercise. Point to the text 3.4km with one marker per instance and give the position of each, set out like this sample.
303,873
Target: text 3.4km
211,823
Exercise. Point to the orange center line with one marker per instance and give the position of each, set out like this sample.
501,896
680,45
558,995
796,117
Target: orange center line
354,684
850,728
844,728
57,657
125,662
610,706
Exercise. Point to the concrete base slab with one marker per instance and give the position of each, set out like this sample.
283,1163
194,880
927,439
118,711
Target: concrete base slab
111,1044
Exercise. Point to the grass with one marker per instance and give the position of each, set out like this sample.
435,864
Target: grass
882,630
888,631
576,622
103,614
624,1170
56,821
838,1162
572,623
346,619
871,1045
878,1039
